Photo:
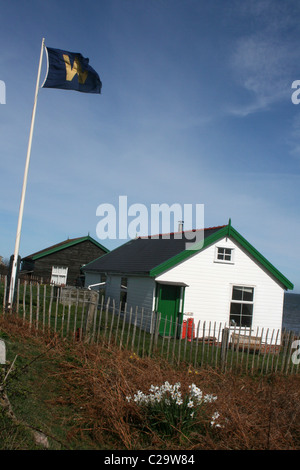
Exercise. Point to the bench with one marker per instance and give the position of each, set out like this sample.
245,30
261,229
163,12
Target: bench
245,340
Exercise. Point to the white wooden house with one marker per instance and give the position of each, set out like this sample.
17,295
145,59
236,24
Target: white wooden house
224,279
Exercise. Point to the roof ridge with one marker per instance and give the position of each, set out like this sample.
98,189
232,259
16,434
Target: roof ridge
68,240
183,231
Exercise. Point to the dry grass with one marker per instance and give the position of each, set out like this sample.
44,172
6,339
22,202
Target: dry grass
255,412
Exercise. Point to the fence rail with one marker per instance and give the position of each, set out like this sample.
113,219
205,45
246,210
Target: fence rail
82,316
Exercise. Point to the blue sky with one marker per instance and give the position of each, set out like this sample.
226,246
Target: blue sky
195,109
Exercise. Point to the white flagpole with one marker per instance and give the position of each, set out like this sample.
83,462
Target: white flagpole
21,210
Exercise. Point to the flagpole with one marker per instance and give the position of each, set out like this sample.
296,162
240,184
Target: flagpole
21,210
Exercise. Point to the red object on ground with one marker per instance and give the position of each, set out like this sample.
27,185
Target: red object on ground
184,323
190,329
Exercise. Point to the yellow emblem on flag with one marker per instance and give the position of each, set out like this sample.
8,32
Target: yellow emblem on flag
76,69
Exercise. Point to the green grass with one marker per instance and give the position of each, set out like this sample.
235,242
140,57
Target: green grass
31,388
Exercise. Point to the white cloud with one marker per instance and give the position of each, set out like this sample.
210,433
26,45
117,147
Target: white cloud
265,60
262,67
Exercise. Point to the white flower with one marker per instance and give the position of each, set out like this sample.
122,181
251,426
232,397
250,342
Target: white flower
196,393
214,417
140,397
168,394
166,387
209,398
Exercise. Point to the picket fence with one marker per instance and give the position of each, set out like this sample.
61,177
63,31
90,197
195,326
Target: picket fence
82,316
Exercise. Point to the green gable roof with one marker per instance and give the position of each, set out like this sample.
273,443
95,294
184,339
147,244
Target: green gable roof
61,246
226,231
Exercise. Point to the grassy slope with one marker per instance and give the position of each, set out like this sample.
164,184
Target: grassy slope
76,394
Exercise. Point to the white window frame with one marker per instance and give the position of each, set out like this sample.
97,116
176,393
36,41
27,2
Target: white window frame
225,261
59,275
244,302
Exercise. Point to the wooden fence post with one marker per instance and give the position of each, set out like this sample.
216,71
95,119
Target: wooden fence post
100,319
89,318
224,347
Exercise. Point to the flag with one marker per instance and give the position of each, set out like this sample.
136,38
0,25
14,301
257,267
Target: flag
70,71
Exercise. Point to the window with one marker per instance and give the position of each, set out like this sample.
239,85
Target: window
59,275
123,293
241,307
224,254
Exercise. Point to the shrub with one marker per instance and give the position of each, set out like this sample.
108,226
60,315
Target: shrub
167,410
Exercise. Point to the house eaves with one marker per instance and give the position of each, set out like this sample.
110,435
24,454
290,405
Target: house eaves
62,246
227,231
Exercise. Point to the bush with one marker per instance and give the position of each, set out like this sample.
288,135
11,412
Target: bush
167,410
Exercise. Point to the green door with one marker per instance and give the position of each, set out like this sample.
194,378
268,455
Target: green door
168,306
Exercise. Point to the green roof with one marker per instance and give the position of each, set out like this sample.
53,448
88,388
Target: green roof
226,231
65,244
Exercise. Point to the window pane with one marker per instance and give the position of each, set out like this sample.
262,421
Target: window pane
247,309
246,321
236,308
248,294
242,293
224,254
237,293
235,320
